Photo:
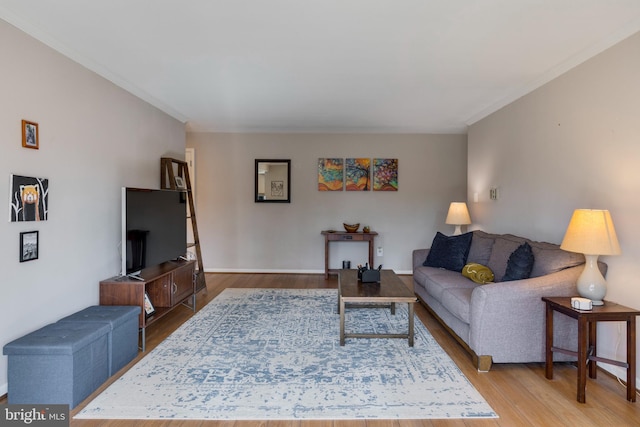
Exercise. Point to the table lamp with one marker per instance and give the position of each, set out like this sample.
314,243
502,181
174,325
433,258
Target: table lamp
591,233
458,215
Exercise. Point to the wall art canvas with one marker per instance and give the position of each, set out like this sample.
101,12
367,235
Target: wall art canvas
357,174
29,198
330,174
385,174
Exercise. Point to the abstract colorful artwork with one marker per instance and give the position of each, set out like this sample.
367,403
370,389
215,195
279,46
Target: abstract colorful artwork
330,174
385,174
357,174
29,199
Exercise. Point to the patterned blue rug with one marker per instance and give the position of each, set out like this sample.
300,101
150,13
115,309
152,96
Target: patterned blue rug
274,354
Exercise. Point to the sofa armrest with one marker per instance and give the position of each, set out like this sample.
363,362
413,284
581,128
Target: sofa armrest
507,319
419,255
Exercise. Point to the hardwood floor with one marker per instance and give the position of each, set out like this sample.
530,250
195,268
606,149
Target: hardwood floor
519,393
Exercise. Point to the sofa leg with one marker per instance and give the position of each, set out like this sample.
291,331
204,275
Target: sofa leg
483,363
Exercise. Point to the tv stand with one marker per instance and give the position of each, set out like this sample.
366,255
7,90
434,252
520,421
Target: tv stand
167,285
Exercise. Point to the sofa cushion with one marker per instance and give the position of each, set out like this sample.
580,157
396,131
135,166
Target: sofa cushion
502,249
480,249
458,302
520,263
449,252
478,273
437,280
549,258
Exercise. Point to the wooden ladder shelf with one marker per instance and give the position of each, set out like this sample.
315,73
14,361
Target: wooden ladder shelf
170,169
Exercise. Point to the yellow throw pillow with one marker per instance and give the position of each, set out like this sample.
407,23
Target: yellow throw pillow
478,273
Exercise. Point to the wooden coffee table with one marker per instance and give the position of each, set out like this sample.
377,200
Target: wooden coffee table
389,291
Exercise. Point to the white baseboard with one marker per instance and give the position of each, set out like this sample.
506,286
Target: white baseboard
4,389
276,271
618,372
261,271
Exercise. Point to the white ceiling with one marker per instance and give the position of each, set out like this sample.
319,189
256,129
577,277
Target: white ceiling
381,66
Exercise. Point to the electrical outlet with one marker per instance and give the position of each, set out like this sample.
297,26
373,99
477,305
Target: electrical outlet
380,251
493,193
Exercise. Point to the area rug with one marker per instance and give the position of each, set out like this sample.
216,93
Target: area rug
275,354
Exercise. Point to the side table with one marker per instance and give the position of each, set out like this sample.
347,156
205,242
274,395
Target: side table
342,236
587,320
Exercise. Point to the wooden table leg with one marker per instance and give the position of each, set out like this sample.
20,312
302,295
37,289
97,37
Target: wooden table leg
341,321
549,343
631,359
410,324
326,257
582,358
593,327
371,253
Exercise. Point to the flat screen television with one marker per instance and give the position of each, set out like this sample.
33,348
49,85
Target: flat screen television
154,228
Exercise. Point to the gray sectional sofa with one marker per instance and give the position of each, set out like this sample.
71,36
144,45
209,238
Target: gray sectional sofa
503,321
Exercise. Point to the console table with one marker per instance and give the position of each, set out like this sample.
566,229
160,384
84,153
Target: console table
587,320
343,236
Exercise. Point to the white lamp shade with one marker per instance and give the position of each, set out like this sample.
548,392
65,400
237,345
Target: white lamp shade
591,231
458,214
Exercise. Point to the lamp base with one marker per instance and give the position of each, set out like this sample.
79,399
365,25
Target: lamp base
591,284
457,231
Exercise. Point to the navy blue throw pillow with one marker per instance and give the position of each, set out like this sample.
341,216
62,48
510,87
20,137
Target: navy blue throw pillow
449,252
520,264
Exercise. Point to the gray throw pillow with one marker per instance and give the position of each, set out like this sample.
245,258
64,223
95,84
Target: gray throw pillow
480,249
520,264
449,252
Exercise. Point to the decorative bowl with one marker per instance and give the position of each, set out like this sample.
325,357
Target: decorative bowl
351,228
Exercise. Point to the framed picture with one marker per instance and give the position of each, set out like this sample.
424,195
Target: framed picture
357,174
28,246
385,174
330,174
30,135
28,199
277,188
180,183
148,307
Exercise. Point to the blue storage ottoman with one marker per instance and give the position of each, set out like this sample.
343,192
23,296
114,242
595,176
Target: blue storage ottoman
123,335
62,363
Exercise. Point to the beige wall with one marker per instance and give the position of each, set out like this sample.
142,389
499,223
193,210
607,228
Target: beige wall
240,235
94,139
573,143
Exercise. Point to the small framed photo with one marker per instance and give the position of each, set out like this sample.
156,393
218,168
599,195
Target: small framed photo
28,246
277,188
148,307
30,137
180,183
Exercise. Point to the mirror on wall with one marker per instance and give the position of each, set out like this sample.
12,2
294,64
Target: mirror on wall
273,181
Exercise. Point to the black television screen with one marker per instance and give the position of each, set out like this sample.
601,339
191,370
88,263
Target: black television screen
154,227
